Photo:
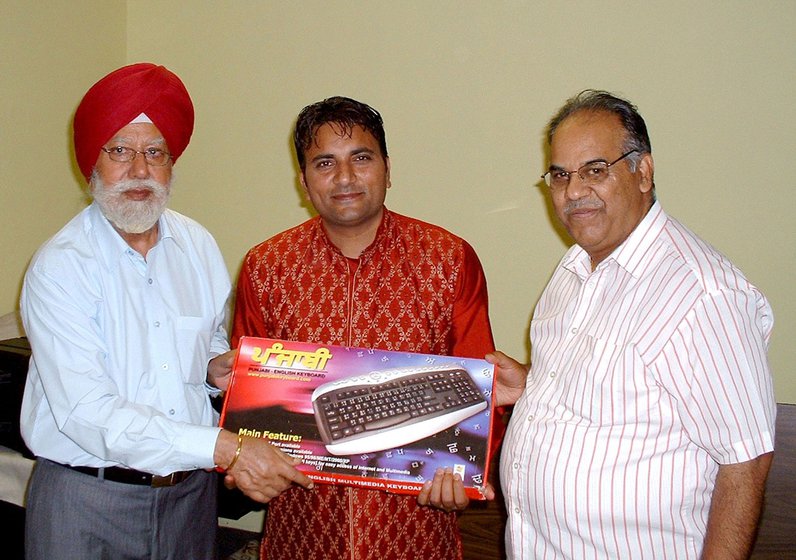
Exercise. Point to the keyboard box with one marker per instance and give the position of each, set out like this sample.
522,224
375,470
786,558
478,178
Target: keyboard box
360,417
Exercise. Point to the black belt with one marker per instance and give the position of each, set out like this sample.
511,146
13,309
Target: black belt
130,476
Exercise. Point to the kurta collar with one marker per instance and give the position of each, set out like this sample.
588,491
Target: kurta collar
381,235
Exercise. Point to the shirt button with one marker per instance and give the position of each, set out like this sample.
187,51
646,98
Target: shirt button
150,281
516,465
171,412
574,330
164,366
552,374
530,418
157,323
516,510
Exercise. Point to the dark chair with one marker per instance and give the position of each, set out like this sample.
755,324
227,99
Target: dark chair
776,538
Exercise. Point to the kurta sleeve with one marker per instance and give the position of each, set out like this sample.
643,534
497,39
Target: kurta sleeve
249,316
472,333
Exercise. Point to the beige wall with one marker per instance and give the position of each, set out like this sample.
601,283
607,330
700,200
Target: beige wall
50,52
465,89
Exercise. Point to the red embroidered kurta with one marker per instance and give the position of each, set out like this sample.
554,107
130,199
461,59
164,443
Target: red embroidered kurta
417,288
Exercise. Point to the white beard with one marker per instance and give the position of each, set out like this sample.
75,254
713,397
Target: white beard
130,216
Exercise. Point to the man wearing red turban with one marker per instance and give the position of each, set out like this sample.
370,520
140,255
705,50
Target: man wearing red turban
125,309
118,98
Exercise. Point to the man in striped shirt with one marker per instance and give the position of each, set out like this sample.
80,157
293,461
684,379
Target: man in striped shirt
645,426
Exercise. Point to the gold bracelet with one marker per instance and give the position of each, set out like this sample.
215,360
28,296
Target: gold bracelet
237,453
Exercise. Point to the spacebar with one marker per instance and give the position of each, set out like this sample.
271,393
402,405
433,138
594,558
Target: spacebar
387,422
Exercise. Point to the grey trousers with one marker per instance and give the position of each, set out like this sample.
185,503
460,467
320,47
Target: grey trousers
74,516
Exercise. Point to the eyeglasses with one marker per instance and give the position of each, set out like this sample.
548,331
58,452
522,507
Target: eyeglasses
592,173
153,156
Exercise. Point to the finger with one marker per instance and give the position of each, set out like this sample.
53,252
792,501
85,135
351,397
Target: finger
293,474
446,489
229,481
435,493
287,471
460,499
503,361
453,495
497,357
425,492
302,479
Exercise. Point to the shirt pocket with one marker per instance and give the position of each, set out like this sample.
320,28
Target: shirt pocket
606,382
193,335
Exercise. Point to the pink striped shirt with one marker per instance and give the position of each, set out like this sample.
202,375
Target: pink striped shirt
647,374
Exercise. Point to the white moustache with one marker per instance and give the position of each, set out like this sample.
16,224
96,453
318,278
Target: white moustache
582,204
137,184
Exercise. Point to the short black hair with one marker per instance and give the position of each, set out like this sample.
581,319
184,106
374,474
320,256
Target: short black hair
342,111
592,100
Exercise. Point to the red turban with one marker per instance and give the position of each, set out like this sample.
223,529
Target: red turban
118,98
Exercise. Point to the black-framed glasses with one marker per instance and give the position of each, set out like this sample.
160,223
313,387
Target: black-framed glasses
123,154
592,173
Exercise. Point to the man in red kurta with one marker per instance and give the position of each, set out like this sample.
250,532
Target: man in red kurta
361,275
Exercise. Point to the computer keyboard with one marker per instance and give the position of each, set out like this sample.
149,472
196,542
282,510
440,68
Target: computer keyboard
391,408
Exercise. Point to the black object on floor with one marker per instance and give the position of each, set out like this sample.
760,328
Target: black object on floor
14,528
237,544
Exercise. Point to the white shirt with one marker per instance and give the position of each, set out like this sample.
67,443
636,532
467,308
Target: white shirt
646,375
121,345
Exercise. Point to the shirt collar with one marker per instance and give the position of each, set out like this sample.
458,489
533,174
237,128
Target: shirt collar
111,245
630,254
